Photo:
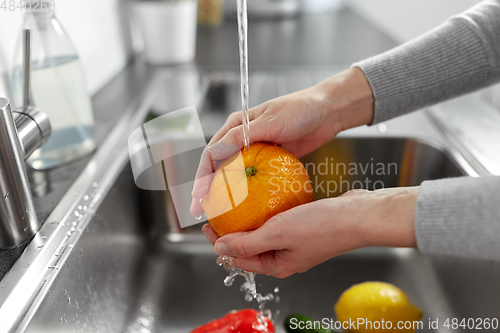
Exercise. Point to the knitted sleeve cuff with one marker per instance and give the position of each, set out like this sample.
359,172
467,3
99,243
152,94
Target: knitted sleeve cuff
459,216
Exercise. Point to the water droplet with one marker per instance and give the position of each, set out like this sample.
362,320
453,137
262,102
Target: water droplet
85,197
77,214
95,184
199,217
80,207
382,128
268,314
277,289
6,195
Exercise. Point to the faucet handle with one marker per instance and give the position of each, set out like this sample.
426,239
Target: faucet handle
32,124
26,67
33,127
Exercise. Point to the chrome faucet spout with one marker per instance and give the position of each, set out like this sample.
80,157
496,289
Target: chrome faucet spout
21,133
18,221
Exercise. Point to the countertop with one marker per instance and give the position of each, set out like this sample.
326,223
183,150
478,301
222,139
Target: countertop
310,40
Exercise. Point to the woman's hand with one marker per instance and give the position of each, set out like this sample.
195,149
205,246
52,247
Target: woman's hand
307,235
299,122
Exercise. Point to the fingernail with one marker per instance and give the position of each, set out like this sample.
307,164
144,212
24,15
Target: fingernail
216,148
221,149
220,248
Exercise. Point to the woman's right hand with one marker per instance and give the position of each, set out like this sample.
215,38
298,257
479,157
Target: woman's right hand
299,122
307,235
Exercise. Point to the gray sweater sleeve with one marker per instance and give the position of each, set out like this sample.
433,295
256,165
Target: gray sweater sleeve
457,57
459,216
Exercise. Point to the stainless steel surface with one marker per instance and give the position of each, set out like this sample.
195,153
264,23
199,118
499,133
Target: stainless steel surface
116,280
33,128
33,125
19,138
25,286
18,221
50,186
473,125
26,67
117,272
308,41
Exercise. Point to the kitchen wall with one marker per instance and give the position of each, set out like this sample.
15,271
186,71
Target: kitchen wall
98,29
406,19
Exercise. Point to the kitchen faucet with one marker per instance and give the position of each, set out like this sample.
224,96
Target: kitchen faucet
21,133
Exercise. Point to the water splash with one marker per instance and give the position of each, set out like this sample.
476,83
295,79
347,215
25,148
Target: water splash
248,287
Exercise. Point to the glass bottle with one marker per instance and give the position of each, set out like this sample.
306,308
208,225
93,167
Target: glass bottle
58,87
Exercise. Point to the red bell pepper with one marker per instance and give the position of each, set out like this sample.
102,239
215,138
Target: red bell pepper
243,321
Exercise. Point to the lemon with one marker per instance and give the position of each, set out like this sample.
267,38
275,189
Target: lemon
377,307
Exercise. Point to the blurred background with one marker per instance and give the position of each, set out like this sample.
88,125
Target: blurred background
105,32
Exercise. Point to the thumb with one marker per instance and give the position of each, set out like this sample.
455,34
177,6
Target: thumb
271,236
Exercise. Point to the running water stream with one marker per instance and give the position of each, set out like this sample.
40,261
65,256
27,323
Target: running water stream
249,286
243,45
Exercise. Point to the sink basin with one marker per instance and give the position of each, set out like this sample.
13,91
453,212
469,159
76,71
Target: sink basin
112,257
133,271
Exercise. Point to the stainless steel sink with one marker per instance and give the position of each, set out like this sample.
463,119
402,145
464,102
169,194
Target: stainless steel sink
118,280
112,258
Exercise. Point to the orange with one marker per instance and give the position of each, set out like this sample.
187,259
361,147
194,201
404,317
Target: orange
252,186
